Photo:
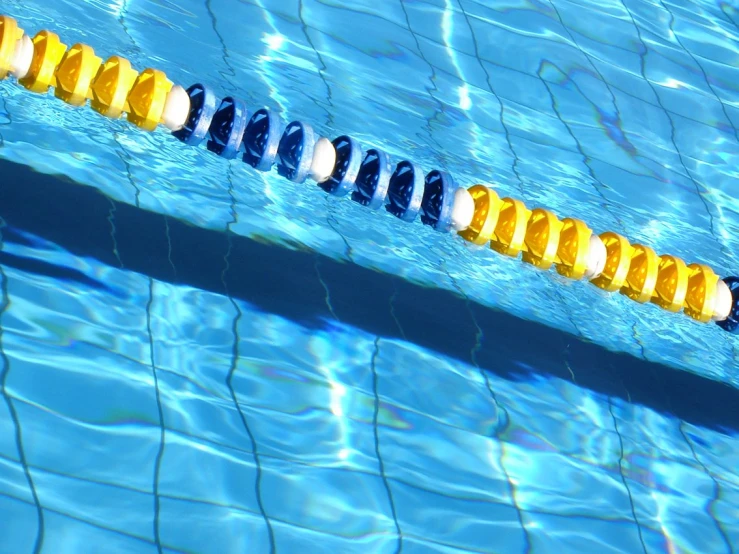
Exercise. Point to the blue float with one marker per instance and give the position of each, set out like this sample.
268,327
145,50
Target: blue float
373,180
295,151
261,139
203,104
731,323
438,201
227,128
348,162
405,192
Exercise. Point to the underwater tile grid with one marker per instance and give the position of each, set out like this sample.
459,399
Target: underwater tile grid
200,358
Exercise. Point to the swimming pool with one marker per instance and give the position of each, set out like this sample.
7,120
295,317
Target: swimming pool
200,358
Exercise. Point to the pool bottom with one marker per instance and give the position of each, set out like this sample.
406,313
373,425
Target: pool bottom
311,289
211,393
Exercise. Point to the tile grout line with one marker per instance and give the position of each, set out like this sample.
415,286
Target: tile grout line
235,356
376,432
500,408
39,541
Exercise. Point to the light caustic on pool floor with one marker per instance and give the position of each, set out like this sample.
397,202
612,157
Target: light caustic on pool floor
478,214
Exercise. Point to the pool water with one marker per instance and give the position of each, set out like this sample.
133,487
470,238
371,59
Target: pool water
200,358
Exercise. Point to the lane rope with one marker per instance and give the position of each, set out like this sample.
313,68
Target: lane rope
195,115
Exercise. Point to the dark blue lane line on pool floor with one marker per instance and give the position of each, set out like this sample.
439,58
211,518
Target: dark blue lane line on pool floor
283,281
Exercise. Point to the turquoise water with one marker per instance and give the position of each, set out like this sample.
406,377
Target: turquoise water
200,358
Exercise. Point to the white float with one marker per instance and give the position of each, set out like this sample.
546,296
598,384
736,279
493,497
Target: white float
597,257
724,302
176,108
20,64
324,160
463,209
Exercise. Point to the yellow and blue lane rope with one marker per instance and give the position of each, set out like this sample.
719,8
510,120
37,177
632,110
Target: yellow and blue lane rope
340,167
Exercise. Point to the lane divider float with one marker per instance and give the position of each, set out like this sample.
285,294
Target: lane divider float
195,115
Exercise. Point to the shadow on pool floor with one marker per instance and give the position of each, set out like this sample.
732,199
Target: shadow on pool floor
75,217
